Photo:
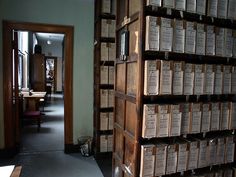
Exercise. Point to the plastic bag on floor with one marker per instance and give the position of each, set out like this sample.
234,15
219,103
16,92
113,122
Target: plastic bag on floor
86,147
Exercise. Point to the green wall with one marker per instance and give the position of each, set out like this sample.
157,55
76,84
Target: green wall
80,14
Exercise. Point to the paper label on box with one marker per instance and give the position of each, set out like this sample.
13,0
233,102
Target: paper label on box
175,120
111,120
203,160
212,8
206,117
218,85
198,80
149,121
212,152
166,78
171,159
103,121
152,34
200,40
106,6
147,160
111,98
180,5
225,116
209,79
169,4
191,6
160,164
231,9
112,29
104,98
166,35
163,121
185,121
178,77
215,117
233,116
228,42
103,74
154,3
104,52
201,7
112,52
182,157
190,38
151,78
103,143
110,143
104,28
188,79
179,37
193,155
196,118
227,80
222,8
220,151
233,84
210,41
220,42
111,75
229,148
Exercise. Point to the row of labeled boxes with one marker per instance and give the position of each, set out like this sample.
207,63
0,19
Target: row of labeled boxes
106,121
106,98
107,75
187,118
106,143
173,35
185,154
108,7
214,8
164,77
108,51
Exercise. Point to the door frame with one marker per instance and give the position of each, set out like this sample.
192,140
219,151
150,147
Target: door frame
9,122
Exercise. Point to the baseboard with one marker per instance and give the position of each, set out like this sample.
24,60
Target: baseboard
71,148
8,153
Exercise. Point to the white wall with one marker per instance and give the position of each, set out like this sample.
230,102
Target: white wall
80,14
55,49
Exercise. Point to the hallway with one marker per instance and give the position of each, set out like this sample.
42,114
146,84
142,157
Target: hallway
42,154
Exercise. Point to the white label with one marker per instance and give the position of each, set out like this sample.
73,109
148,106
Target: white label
196,118
147,161
209,79
210,41
228,42
104,28
200,40
166,35
206,117
104,52
215,116
182,157
201,7
190,38
191,6
180,5
212,8
151,80
166,78
218,85
152,34
222,8
198,80
203,160
220,42
178,78
185,121
149,121
171,159
160,167
188,79
163,120
227,80
179,37
106,6
193,155
175,120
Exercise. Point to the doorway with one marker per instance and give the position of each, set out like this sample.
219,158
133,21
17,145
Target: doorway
11,129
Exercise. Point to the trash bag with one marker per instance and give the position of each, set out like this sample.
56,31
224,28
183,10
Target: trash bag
86,147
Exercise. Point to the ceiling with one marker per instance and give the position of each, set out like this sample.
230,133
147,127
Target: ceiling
53,37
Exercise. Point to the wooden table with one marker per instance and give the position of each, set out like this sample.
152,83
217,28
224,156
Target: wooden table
33,100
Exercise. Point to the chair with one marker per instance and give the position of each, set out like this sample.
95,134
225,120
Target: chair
33,115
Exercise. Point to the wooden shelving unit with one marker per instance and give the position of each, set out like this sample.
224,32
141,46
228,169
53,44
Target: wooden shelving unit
129,84
103,79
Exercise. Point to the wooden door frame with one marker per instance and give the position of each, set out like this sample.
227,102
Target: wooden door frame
68,31
55,70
